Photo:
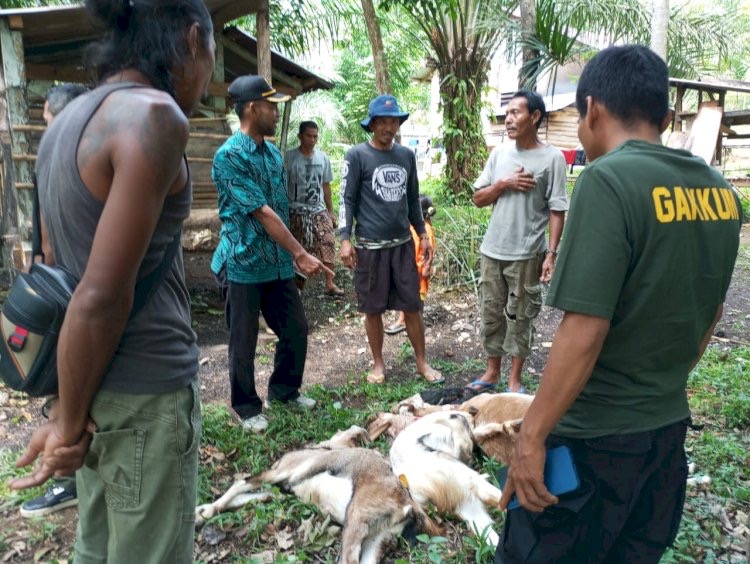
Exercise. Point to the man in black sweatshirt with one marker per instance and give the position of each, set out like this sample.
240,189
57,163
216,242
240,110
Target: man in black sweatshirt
380,195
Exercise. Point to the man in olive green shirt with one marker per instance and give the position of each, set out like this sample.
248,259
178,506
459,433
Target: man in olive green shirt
645,264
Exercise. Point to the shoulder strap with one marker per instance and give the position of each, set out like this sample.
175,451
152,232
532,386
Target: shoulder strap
36,225
145,287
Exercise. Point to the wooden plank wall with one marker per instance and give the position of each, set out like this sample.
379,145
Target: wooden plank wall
562,129
559,129
207,135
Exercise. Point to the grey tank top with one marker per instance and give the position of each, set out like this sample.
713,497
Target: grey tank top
158,351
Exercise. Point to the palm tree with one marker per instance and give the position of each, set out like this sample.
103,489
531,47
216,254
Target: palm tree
700,41
659,27
462,47
530,55
382,77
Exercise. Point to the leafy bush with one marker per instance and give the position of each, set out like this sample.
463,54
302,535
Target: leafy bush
459,231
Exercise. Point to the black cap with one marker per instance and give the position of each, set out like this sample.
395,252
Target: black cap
253,87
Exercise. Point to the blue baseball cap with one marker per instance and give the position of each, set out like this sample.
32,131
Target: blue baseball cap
383,106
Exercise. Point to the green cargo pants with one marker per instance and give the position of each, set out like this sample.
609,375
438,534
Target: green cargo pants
510,297
137,489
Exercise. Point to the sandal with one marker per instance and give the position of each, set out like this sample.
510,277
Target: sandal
481,386
373,378
435,380
394,329
334,292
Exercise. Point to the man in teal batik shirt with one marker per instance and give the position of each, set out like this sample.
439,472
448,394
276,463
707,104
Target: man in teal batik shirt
257,255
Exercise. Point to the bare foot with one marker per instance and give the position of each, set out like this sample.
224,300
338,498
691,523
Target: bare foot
334,290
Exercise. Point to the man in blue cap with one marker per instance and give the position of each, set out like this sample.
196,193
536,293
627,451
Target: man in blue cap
380,199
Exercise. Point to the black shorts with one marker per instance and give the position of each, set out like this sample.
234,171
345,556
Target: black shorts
387,279
627,509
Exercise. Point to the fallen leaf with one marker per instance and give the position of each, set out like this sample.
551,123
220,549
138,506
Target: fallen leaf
284,539
265,557
39,554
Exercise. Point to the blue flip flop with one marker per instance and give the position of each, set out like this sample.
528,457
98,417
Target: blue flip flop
521,390
481,386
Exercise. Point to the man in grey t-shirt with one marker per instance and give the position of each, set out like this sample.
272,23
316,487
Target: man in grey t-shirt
380,194
311,217
525,182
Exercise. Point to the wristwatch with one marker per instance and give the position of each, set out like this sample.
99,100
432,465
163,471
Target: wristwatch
551,252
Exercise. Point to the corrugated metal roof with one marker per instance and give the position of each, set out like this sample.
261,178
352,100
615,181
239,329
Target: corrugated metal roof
551,103
713,84
59,31
55,37
237,66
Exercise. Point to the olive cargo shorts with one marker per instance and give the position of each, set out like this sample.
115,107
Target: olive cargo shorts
137,488
510,297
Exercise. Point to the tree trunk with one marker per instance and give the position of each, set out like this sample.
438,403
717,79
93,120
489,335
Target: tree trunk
465,147
382,77
659,27
530,63
263,39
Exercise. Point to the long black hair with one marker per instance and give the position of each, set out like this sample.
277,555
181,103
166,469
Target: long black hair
147,35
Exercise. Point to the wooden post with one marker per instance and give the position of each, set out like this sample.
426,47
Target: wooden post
678,107
263,28
219,102
285,126
17,207
720,139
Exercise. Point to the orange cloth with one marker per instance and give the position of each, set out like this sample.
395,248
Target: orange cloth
424,283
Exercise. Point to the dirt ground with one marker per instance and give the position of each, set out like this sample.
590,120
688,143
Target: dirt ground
337,353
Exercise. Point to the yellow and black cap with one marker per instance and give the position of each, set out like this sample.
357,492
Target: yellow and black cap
253,87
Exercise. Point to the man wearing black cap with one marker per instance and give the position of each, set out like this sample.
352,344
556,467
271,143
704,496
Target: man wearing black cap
380,193
257,255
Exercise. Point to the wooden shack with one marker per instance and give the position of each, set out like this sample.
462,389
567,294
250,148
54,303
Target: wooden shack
559,129
704,122
42,46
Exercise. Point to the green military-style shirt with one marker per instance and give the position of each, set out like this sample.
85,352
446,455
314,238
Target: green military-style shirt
650,244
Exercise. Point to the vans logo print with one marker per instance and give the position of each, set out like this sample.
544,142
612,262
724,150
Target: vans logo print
389,182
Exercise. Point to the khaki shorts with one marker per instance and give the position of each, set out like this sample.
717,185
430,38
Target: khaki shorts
137,488
510,297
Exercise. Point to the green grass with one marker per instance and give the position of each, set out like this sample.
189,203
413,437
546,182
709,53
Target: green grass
230,451
719,391
459,231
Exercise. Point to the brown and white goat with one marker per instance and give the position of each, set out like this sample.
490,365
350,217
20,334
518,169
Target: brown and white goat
355,486
432,454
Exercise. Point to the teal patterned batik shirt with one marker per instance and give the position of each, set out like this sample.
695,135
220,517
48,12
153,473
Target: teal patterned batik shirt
247,177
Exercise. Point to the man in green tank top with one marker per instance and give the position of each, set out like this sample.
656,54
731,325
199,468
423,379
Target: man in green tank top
644,267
